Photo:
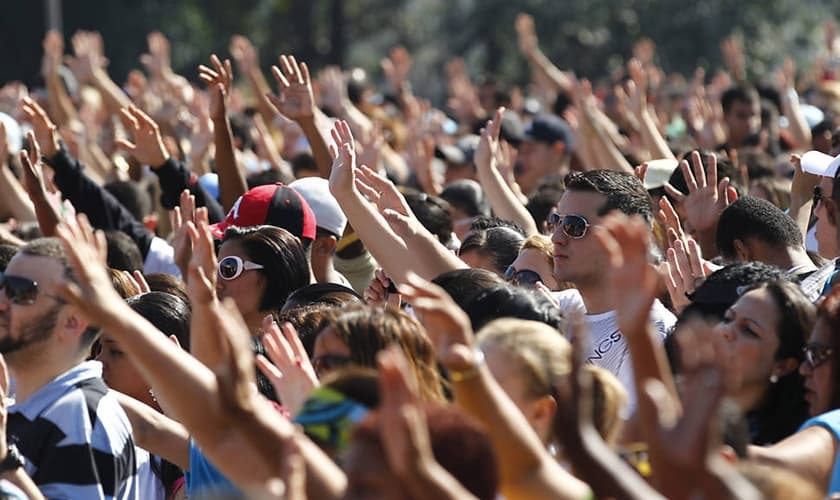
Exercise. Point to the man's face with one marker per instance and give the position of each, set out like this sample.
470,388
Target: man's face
579,260
536,159
742,121
24,327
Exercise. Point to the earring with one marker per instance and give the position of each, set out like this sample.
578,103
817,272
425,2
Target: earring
774,378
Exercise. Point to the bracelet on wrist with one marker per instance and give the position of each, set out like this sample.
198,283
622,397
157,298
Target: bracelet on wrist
478,362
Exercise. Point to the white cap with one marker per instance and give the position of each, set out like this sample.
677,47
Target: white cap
822,164
316,192
659,171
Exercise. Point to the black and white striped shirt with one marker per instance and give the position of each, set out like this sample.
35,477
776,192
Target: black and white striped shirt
75,438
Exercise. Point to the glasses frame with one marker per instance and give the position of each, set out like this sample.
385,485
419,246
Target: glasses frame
16,297
241,266
816,354
554,219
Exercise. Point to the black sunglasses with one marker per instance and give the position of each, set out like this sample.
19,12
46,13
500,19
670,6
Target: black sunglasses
816,354
573,225
525,277
20,291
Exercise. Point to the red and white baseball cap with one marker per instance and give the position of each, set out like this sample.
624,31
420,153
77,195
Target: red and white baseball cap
822,164
272,205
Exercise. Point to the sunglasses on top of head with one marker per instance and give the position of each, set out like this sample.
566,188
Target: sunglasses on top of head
573,225
21,291
232,266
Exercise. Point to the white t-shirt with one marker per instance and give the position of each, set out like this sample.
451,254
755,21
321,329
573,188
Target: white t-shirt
148,484
609,348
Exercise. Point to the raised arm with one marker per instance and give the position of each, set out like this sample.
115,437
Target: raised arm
297,102
527,469
503,200
13,196
652,139
232,183
530,48
89,66
248,63
60,104
157,433
799,130
393,251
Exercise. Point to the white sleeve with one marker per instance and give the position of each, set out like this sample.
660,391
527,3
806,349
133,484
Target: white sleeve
161,258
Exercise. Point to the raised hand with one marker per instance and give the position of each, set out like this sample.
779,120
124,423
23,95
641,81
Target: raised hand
397,66
244,53
333,87
88,55
343,173
53,45
633,281
290,370
296,100
526,34
377,291
92,293
447,324
158,59
637,87
148,147
488,146
706,197
46,132
219,80
33,176
182,244
203,274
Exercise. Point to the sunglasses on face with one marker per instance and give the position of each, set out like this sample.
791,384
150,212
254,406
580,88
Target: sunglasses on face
20,291
522,276
329,362
573,225
232,266
816,354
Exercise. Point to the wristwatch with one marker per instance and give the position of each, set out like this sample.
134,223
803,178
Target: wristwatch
12,461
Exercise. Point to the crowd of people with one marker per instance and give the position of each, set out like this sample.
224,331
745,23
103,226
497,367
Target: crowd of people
330,288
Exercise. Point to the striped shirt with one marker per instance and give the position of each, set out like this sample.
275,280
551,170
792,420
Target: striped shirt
75,438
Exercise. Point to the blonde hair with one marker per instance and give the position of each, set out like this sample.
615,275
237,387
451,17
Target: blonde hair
541,351
608,401
543,244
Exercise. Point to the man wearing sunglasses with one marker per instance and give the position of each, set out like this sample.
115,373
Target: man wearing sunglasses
579,259
74,437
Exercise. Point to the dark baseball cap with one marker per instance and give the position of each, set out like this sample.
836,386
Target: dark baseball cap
549,129
272,205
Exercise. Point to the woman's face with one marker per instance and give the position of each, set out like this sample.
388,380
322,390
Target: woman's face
248,288
330,352
118,372
510,374
749,331
536,261
819,380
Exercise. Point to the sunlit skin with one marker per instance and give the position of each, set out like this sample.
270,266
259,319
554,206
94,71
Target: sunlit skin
742,120
581,261
537,159
749,330
120,374
826,228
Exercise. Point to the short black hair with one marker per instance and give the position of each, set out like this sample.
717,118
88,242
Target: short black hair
624,191
542,201
738,93
168,283
467,196
167,312
282,256
433,214
331,294
6,254
487,221
464,284
270,176
750,217
123,253
303,162
501,244
507,301
133,197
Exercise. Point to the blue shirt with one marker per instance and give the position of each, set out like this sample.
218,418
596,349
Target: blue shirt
831,422
203,477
